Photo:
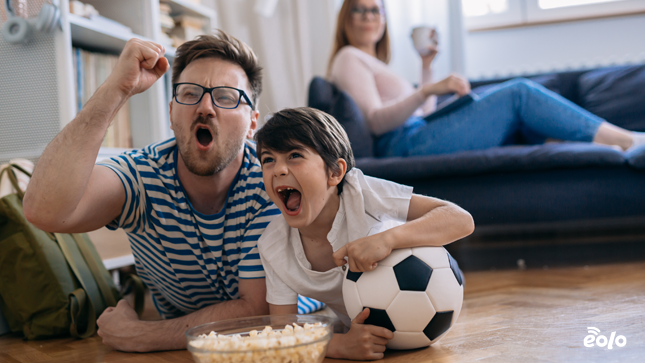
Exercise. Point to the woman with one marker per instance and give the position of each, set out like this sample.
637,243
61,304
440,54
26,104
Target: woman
393,109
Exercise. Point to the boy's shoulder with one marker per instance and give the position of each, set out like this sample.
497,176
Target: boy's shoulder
376,197
275,237
376,186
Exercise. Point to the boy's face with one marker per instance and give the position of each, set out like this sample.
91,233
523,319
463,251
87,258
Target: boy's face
299,183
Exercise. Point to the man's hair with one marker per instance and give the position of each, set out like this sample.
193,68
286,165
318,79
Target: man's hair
223,46
294,127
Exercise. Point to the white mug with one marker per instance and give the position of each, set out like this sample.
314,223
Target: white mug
424,37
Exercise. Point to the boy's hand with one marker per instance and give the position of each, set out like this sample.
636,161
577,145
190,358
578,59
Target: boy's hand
364,253
362,342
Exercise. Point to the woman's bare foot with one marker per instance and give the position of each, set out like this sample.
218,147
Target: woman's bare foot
609,134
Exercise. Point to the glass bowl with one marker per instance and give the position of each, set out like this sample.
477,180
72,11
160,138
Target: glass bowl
303,346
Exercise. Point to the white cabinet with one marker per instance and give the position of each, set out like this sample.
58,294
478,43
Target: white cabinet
37,96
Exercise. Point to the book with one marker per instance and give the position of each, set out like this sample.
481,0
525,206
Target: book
91,69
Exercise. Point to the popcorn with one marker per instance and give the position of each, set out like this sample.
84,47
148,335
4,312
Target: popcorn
288,345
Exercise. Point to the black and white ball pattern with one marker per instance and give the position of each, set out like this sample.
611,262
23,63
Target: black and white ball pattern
416,293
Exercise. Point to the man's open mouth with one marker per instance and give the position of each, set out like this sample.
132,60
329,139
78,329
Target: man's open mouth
204,136
290,198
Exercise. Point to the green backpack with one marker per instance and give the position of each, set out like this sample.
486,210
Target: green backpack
51,284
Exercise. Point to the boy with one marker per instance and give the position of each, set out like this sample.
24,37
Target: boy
330,211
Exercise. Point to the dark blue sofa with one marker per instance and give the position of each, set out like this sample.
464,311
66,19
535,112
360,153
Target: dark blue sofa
550,204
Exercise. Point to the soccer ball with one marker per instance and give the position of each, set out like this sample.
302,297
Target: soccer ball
414,292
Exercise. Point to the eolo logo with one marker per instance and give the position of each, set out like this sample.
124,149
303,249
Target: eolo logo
602,341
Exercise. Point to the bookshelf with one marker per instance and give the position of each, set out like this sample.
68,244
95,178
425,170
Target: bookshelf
31,125
148,111
138,18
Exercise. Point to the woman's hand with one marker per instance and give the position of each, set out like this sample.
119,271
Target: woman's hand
428,54
362,342
364,253
428,57
432,51
454,83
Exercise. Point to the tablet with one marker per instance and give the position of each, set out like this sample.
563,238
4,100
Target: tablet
452,104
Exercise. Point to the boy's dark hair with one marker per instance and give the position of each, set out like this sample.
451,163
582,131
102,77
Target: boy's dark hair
223,46
292,127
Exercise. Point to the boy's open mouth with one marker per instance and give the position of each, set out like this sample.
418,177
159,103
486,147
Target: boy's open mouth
290,197
204,136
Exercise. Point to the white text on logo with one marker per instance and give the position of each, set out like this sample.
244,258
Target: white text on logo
602,341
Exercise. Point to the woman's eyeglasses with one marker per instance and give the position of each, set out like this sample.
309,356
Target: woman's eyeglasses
360,12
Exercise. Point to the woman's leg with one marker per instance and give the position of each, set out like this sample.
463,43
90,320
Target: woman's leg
501,112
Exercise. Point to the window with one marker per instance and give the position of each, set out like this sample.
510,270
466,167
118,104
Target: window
488,14
485,7
552,4
482,14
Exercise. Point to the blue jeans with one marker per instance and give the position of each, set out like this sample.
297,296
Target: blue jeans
494,120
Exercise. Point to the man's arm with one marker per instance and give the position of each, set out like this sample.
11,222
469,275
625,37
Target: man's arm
67,193
122,330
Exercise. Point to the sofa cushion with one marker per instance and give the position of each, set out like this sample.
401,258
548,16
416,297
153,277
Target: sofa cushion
636,157
551,81
326,97
508,158
321,93
616,94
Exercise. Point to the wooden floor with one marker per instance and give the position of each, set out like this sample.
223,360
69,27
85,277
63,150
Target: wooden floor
508,316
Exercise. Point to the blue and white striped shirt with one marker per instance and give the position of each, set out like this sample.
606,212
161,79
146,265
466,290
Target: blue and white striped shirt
190,260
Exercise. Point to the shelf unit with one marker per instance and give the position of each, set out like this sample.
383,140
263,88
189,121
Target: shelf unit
30,121
29,124
149,110
149,117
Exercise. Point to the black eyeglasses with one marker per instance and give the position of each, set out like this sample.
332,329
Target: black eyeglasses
360,12
222,97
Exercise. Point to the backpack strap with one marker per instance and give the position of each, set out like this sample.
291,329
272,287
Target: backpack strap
139,292
96,271
79,300
13,179
135,281
78,303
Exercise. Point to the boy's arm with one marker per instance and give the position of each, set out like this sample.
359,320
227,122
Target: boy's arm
283,309
431,222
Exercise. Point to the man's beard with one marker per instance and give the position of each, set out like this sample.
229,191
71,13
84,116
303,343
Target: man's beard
220,157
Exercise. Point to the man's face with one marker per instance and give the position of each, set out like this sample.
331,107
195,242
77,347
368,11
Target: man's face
209,138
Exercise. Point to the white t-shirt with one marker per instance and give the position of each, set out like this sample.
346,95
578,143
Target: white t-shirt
367,203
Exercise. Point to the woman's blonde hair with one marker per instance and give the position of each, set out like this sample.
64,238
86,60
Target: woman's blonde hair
383,52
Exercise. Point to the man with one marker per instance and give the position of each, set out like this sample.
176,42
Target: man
193,206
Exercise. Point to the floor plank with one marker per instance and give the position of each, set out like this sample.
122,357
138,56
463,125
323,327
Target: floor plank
508,316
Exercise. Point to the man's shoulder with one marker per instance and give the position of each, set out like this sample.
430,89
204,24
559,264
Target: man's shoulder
251,156
158,153
156,156
250,179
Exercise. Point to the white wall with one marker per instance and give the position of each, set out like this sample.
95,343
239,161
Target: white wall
403,15
293,45
555,47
